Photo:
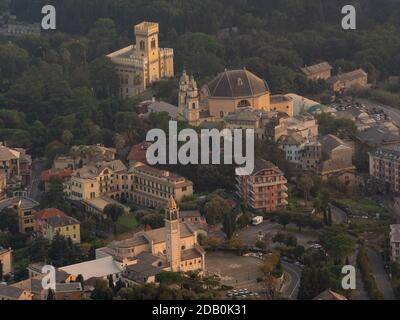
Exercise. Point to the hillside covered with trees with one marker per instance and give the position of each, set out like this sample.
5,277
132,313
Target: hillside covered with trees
58,89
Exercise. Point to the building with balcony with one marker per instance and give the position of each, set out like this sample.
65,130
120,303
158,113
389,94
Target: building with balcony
265,189
395,242
384,165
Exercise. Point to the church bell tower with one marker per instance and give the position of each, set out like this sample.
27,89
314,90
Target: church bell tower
189,99
173,235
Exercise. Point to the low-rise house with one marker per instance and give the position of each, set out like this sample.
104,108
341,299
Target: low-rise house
395,242
42,216
47,176
320,71
138,153
65,226
5,260
14,293
68,291
338,160
192,216
343,82
265,189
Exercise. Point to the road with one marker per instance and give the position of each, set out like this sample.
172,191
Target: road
252,233
33,189
291,288
391,112
359,293
381,277
338,215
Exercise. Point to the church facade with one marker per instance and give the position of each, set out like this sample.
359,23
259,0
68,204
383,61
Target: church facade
172,248
141,64
229,92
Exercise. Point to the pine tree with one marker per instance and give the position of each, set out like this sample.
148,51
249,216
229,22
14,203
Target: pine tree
50,295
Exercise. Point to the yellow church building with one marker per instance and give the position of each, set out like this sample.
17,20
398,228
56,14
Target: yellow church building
228,93
148,253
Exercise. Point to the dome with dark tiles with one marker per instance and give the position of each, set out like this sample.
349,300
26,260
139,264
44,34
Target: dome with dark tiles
236,84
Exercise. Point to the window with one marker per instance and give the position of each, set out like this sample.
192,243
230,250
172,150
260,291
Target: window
142,45
244,104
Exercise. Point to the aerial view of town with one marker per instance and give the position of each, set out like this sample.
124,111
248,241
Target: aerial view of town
220,150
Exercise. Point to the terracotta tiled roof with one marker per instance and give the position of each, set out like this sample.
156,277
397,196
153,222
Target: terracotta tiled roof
60,173
48,213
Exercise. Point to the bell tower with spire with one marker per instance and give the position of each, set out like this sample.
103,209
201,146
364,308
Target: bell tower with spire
173,235
189,99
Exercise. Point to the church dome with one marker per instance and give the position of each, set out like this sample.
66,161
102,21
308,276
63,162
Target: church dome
236,84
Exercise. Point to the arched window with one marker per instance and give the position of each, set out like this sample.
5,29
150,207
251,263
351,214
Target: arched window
153,43
244,104
194,105
142,45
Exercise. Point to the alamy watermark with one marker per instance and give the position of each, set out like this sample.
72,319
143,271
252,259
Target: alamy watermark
49,20
349,280
49,280
199,148
349,21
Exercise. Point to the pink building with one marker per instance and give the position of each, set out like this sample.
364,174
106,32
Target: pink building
264,190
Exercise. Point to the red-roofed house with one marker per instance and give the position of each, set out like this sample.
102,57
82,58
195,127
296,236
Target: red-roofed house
54,173
42,216
138,153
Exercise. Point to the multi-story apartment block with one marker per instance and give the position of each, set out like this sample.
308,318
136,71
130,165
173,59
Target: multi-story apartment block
395,242
25,208
265,189
384,165
91,181
143,63
153,187
305,154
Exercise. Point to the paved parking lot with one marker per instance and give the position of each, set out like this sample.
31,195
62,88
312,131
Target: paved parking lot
236,271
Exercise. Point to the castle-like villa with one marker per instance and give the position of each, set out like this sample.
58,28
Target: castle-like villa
143,63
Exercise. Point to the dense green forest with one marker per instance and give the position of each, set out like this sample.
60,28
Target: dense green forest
58,89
